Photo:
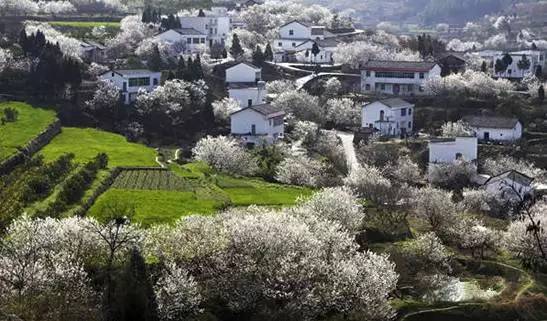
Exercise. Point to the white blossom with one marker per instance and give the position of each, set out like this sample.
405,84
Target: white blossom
223,108
225,155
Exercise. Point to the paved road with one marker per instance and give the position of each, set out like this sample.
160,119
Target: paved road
349,149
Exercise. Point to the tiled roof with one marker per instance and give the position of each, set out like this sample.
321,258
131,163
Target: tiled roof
264,109
490,121
395,102
317,31
514,176
189,31
300,22
417,66
235,63
131,72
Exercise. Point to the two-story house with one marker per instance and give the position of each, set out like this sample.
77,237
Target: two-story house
259,124
403,78
389,117
494,128
292,35
214,23
245,85
188,40
517,70
131,81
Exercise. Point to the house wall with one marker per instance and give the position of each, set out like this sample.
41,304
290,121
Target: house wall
257,95
287,44
390,84
370,115
298,31
192,43
446,152
242,73
130,93
325,55
216,28
537,58
241,124
499,134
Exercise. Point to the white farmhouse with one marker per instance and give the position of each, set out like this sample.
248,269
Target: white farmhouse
390,117
243,72
131,81
513,71
511,186
244,82
448,150
494,128
189,40
258,124
326,48
292,35
214,23
404,78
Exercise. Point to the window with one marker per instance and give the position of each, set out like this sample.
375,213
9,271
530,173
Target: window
253,129
202,40
112,74
249,102
410,111
422,76
383,86
367,87
509,71
278,121
188,40
280,44
291,32
368,73
393,74
382,113
137,82
403,112
195,40
409,125
294,44
155,81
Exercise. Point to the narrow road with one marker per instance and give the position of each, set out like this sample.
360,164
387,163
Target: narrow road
349,149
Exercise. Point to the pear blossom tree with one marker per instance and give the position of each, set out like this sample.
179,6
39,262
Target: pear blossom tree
223,108
299,169
299,103
435,206
342,112
69,46
225,155
277,87
501,164
456,129
470,83
358,53
370,183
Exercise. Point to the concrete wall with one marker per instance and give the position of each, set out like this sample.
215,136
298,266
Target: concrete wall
257,95
370,114
416,82
446,152
242,73
499,134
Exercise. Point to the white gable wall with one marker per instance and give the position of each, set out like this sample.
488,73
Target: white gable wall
370,115
242,73
243,95
295,30
447,152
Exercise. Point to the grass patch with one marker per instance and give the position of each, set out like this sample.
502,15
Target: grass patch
157,207
86,143
30,122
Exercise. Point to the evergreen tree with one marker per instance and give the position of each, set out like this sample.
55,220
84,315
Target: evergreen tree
146,15
24,41
268,53
315,51
258,56
500,66
197,71
539,72
201,13
154,61
541,94
523,64
134,298
484,67
171,75
236,51
188,72
181,67
224,53
507,59
534,47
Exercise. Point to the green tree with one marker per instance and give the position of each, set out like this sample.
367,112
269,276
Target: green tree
507,59
484,67
258,56
268,53
539,72
154,61
523,64
236,50
500,66
197,71
315,51
181,67
541,94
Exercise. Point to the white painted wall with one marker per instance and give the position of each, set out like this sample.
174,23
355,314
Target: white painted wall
295,30
446,152
500,134
243,95
130,92
216,27
242,122
243,73
325,56
192,43
536,58
375,83
370,115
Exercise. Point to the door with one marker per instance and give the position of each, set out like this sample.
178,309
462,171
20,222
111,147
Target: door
486,136
124,86
253,129
396,89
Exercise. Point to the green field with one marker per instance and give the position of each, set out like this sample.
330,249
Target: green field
86,143
84,24
30,122
164,196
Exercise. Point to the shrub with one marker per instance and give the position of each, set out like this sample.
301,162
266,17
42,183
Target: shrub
10,115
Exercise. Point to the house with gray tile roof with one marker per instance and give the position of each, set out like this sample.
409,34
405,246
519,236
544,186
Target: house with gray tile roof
495,128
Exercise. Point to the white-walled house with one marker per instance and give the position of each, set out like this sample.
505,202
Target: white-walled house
244,84
243,72
190,40
390,117
326,48
248,94
535,57
403,78
131,81
258,124
448,150
292,35
214,23
494,128
511,186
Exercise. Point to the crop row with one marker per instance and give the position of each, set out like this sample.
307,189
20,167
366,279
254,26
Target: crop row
151,179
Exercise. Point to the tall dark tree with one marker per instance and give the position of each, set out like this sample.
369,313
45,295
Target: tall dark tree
197,70
258,56
539,72
181,67
24,41
201,13
315,51
268,53
484,67
188,74
134,298
507,59
541,94
154,61
224,53
534,47
236,50
500,66
523,64
146,15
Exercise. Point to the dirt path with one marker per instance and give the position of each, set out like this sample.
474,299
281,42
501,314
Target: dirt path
349,149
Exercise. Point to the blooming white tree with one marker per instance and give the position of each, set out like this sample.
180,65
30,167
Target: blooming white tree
132,32
5,57
277,87
95,69
69,46
454,176
434,206
369,182
496,41
105,98
404,171
342,112
477,237
225,155
470,83
359,52
458,45
332,87
299,169
501,164
299,103
56,7
476,200
456,129
305,131
223,108
18,7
